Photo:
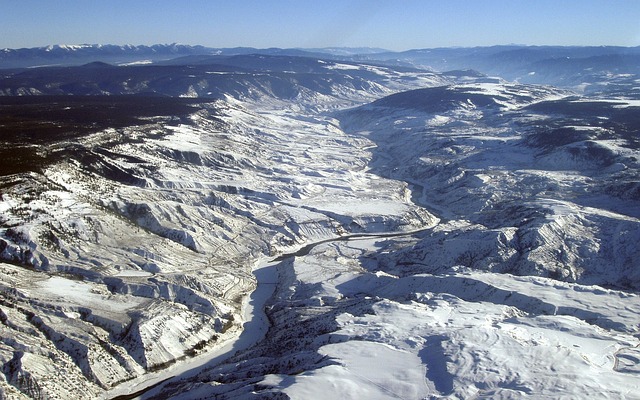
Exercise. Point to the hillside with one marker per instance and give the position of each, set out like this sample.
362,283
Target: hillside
287,226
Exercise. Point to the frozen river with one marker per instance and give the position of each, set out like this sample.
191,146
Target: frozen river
254,329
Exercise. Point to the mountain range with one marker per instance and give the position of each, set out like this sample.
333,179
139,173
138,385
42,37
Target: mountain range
528,64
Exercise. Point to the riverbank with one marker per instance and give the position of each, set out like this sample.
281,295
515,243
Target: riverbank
254,328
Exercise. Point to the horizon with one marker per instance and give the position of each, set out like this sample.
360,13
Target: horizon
61,45
288,24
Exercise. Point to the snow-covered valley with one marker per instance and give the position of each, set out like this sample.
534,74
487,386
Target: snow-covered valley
427,236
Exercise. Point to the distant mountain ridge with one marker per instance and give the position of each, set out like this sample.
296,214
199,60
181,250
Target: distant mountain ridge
81,54
557,65
566,66
73,55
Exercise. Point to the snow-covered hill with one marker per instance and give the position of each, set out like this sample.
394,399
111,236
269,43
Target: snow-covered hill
526,288
535,183
139,239
424,235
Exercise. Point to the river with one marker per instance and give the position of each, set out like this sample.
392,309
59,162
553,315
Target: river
254,329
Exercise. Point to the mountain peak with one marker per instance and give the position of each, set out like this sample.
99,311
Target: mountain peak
80,54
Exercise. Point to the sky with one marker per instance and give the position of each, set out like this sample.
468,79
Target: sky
393,25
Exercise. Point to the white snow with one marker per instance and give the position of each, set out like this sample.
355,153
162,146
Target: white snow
139,62
617,102
440,345
434,309
343,66
254,328
367,370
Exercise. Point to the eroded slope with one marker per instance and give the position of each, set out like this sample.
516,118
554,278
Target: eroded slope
131,247
526,288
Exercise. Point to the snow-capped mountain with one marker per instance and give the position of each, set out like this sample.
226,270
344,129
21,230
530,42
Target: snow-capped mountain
278,226
558,65
62,55
79,54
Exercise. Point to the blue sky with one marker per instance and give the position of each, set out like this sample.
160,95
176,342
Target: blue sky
395,25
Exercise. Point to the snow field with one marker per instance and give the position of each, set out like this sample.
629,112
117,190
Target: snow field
161,236
439,345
